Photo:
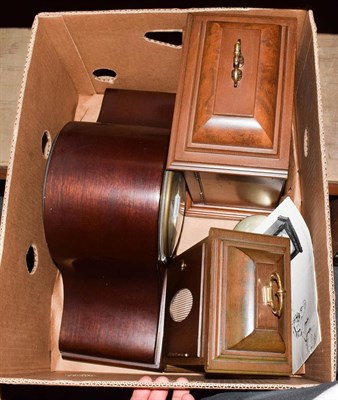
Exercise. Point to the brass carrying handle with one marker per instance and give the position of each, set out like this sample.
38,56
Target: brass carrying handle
268,295
238,62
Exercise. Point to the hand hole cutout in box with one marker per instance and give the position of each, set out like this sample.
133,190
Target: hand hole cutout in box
171,38
105,75
32,259
46,143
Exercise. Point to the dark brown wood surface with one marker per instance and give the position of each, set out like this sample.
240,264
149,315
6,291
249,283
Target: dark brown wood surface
137,107
101,202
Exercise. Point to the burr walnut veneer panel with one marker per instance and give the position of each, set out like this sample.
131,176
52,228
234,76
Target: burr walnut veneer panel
233,113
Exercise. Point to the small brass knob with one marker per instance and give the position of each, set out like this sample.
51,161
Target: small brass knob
238,62
183,265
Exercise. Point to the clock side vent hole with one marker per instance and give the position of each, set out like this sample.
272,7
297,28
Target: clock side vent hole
181,305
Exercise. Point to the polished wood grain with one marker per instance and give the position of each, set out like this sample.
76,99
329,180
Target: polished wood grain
101,204
242,116
217,125
137,107
226,135
231,328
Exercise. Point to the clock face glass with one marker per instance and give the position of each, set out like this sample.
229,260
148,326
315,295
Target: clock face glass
171,216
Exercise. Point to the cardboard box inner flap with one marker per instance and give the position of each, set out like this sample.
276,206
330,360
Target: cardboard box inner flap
73,58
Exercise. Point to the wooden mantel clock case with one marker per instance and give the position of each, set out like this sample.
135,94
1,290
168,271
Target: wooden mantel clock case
228,307
232,122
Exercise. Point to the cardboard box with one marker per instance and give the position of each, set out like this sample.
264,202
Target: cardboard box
58,86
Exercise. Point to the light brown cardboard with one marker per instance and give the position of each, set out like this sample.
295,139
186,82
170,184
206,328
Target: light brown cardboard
58,86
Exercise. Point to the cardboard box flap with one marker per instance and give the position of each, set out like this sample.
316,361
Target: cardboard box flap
195,381
311,153
115,44
119,47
